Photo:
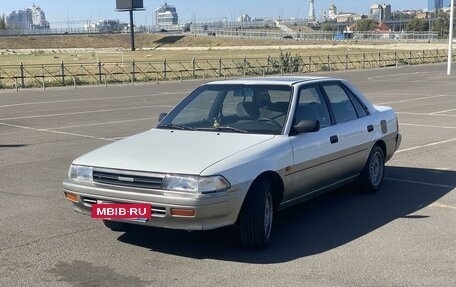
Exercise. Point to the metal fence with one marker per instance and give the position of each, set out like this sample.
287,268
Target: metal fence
320,35
65,74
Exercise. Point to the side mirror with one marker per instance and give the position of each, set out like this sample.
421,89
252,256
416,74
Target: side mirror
161,116
306,126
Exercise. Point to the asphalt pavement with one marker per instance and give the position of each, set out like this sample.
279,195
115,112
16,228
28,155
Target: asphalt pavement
403,235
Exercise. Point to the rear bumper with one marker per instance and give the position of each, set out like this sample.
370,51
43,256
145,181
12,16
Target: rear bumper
210,212
398,141
392,144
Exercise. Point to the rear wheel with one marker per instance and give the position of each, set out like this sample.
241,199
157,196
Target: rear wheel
116,226
255,220
371,178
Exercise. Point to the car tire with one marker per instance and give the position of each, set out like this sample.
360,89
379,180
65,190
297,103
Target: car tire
116,226
371,177
256,215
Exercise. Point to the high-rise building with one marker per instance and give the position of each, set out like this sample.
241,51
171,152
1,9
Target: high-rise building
166,16
312,11
30,18
244,18
434,5
380,12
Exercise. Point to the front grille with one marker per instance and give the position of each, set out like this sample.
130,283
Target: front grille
131,180
89,201
158,211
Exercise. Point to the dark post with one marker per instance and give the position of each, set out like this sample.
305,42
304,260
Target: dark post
22,75
62,67
132,31
133,71
164,69
220,66
99,71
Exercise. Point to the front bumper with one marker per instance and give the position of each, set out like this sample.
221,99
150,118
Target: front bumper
211,211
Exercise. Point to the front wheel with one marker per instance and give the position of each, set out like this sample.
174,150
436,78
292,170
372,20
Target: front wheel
371,178
255,220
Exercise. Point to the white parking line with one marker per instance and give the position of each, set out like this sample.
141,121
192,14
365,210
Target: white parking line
420,182
56,132
442,112
426,126
102,123
437,204
398,74
426,145
412,100
424,114
86,112
90,99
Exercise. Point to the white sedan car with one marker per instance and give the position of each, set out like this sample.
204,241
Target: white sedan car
234,152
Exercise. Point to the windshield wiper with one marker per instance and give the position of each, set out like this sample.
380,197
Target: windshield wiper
222,129
177,127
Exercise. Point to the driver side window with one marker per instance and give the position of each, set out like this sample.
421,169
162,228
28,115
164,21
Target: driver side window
312,106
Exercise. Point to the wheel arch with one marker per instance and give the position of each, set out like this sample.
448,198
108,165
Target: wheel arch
277,186
382,145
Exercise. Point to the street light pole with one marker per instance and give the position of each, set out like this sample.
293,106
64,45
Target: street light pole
450,41
132,31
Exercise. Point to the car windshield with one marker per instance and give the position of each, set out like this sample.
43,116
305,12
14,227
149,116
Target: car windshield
257,109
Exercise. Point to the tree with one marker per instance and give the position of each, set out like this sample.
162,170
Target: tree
365,25
2,23
328,26
418,25
441,25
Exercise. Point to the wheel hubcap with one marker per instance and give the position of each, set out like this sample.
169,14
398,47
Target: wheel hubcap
268,215
376,169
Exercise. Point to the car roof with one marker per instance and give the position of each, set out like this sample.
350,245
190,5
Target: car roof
277,80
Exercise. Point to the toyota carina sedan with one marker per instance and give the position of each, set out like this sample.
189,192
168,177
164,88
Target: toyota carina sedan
235,152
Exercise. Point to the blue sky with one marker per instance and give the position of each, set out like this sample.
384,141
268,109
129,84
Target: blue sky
59,10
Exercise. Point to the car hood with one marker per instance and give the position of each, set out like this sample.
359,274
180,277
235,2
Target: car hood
170,151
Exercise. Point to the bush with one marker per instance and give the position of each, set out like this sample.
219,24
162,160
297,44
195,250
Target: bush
287,63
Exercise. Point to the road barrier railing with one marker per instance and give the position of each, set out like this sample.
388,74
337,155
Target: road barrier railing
105,73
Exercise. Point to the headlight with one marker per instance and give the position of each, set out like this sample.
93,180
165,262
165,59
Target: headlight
195,184
80,172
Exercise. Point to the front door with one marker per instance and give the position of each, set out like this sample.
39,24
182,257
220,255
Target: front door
315,154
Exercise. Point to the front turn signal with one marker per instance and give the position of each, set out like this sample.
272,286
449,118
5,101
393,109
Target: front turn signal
71,197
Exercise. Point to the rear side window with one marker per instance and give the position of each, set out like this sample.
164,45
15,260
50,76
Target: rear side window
360,110
341,104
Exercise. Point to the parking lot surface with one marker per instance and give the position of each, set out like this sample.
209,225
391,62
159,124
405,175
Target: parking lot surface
402,236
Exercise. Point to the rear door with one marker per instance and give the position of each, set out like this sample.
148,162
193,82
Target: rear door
355,126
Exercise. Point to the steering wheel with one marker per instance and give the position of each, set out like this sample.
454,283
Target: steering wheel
276,123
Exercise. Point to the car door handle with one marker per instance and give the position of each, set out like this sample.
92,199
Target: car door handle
370,128
334,139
